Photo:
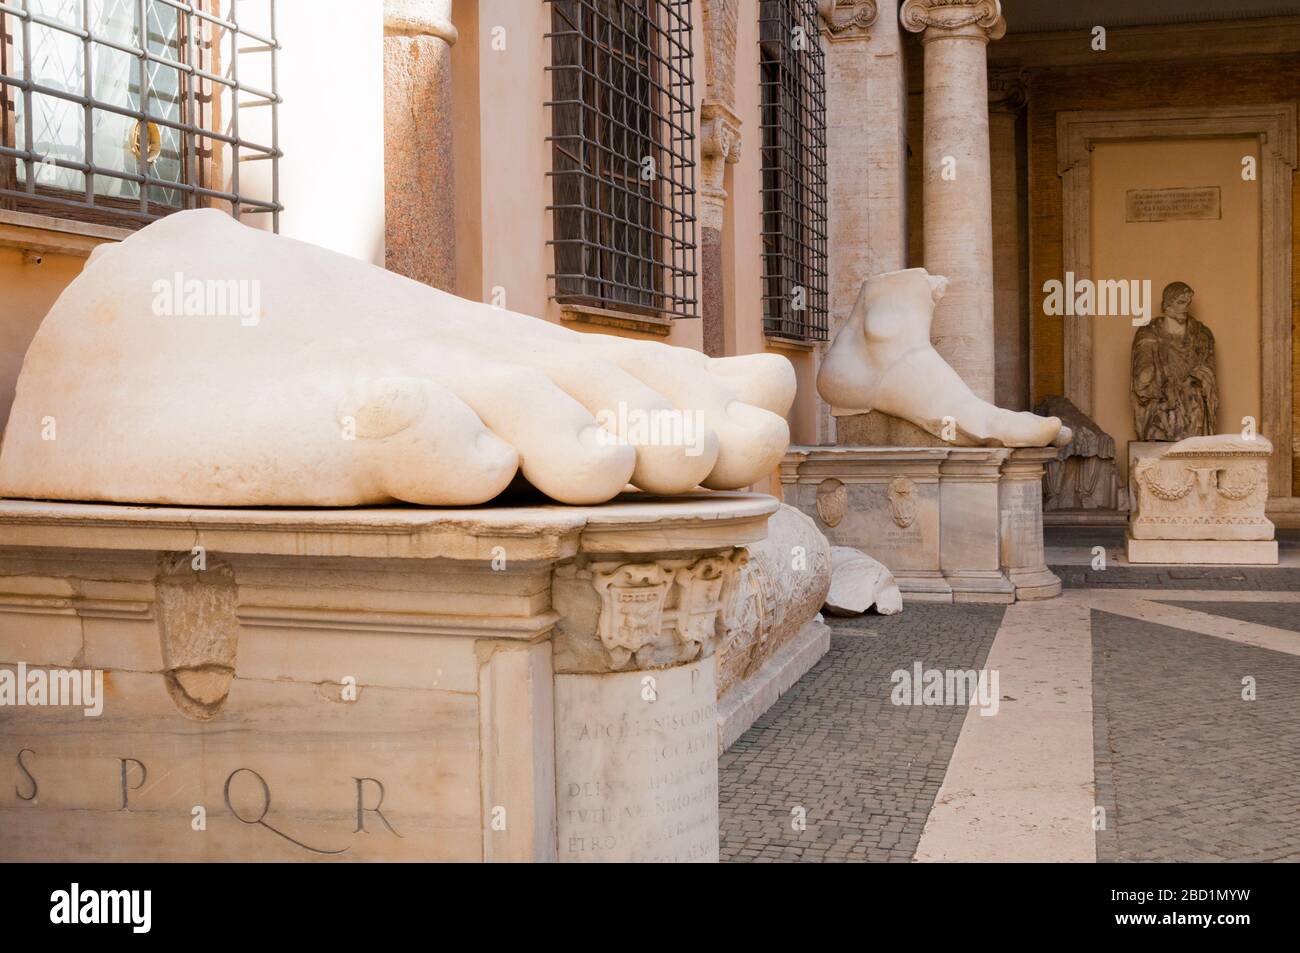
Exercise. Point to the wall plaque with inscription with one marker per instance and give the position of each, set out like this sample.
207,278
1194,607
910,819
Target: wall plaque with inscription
1170,205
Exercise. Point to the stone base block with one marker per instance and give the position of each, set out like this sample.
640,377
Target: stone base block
953,524
740,708
405,684
917,585
874,429
1204,552
1042,584
992,587
1202,488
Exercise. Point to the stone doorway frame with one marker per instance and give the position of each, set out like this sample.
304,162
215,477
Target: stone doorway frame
1274,124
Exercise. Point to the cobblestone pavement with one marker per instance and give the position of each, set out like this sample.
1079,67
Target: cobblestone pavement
865,771
1186,769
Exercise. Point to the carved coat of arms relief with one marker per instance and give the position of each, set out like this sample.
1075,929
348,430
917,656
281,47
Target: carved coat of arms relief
902,501
663,613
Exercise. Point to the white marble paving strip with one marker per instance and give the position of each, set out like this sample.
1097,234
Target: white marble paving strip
1203,595
1247,633
1074,555
1020,784
1288,557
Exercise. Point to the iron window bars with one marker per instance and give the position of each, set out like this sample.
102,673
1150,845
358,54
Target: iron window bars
792,72
623,155
122,111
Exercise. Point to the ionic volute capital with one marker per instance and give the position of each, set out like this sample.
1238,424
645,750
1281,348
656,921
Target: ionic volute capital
847,19
719,146
953,18
419,18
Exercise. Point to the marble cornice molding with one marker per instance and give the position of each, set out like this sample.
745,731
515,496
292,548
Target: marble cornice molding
419,18
965,19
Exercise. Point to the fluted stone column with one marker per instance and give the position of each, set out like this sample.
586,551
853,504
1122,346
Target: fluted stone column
420,229
957,192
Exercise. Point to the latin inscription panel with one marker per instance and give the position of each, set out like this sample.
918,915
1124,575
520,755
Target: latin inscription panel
637,765
1168,205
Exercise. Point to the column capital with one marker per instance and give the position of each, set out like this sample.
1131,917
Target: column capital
419,18
967,19
719,131
847,19
719,146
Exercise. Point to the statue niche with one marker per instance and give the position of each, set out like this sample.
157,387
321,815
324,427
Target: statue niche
1175,390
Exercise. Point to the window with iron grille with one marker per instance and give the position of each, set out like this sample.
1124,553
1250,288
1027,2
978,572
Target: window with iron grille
122,111
793,144
623,155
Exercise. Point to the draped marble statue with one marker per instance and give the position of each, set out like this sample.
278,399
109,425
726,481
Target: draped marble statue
1175,390
1083,476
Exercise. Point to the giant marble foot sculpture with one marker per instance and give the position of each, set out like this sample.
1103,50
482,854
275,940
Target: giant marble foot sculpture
203,362
882,360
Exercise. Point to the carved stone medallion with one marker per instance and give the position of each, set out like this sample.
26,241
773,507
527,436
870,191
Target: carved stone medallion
832,501
198,627
902,501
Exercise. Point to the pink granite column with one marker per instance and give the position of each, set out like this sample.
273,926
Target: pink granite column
420,229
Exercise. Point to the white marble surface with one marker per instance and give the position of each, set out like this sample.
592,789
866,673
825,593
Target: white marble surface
779,589
413,647
882,360
859,582
1202,552
202,362
1019,786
